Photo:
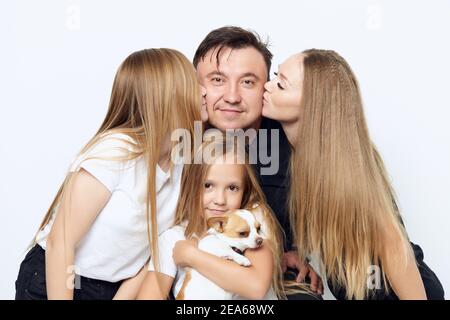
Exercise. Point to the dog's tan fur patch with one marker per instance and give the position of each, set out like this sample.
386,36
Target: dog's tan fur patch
235,226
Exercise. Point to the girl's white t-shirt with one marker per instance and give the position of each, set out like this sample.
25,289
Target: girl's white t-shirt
166,243
116,246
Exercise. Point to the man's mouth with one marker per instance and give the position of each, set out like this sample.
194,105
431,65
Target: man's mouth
227,110
230,114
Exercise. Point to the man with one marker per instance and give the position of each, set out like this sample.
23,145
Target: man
233,65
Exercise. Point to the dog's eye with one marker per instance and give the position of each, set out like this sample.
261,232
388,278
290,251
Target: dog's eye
243,234
258,229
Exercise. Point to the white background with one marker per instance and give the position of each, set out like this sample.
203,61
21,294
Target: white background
58,60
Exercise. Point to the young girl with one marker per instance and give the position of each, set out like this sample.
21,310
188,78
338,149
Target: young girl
342,205
120,191
209,190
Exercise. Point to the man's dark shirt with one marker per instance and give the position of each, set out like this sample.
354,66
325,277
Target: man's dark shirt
276,187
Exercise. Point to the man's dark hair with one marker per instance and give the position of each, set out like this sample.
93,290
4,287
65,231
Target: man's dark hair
234,38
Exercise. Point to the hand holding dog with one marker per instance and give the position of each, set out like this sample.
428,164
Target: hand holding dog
183,251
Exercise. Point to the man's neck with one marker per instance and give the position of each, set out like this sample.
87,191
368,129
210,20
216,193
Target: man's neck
256,125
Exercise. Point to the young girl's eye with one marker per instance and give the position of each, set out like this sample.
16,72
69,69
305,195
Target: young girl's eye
234,188
207,185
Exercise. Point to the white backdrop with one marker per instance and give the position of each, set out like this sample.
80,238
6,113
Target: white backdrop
58,60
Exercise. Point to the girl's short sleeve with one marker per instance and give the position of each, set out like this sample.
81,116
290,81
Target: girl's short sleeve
105,160
166,243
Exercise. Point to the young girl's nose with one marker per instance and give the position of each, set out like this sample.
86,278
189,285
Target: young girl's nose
219,198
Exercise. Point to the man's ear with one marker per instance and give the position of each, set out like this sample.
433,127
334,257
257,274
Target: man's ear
218,223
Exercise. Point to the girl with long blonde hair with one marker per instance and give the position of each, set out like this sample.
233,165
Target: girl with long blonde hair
121,190
212,188
342,205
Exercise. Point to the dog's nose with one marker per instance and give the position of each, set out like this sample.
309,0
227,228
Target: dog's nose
259,241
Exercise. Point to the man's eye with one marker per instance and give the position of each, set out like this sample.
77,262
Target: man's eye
217,80
249,82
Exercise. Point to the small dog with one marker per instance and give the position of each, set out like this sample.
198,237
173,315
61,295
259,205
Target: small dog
228,237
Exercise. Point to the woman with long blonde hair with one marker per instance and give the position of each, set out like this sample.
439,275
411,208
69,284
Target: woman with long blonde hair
209,189
121,190
342,205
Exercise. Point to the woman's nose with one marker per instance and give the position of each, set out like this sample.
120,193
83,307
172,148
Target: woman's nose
268,85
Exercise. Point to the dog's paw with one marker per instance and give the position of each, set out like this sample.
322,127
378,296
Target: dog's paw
243,261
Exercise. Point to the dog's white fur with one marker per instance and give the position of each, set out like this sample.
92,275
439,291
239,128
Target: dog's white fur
198,287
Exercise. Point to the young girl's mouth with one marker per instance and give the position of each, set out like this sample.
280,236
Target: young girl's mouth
217,211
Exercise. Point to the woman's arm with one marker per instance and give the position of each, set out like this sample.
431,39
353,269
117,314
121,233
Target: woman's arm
79,207
129,288
403,276
156,286
227,274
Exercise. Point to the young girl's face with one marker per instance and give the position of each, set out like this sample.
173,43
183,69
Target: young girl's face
223,188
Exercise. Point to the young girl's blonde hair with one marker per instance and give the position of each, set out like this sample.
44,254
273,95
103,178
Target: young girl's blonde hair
155,91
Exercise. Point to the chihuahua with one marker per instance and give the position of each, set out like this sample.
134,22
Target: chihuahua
227,237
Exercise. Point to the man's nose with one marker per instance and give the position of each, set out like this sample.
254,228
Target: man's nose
268,86
232,94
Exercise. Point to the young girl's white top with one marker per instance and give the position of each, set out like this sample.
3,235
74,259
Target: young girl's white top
166,243
116,246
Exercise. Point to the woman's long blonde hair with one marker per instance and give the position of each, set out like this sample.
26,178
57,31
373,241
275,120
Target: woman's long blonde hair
190,204
155,91
342,205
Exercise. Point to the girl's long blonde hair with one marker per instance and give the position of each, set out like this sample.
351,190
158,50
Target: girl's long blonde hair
155,91
342,205
190,204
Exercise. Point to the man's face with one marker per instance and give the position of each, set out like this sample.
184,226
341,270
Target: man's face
234,88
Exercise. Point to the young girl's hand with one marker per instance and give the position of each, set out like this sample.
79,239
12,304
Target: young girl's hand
183,251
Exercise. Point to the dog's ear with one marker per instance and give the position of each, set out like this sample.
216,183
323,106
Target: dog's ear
218,223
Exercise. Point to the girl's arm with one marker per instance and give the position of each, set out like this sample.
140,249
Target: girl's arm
251,282
79,207
403,276
129,288
152,289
